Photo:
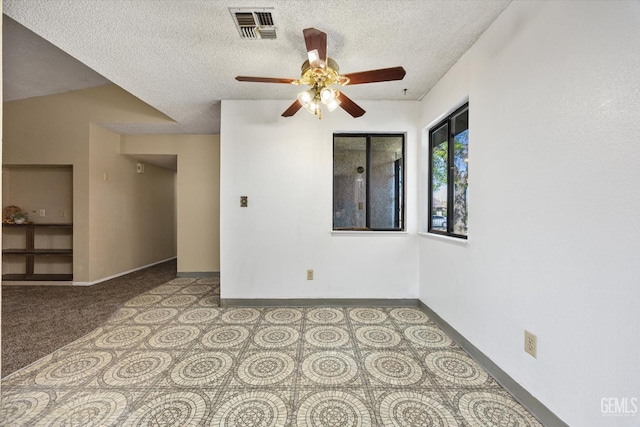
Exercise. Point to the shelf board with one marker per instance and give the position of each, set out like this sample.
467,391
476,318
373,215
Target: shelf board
56,225
38,252
42,277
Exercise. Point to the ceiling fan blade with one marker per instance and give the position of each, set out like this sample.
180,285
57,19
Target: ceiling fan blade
316,42
374,76
349,106
265,79
293,108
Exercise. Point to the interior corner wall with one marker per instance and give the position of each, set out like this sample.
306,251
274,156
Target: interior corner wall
54,130
197,194
285,168
554,235
38,131
132,214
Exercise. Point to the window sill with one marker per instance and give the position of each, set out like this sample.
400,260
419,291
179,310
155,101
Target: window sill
448,239
368,233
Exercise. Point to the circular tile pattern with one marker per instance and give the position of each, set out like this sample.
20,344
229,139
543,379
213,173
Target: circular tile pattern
198,315
327,336
490,409
212,301
22,408
325,315
136,368
196,289
124,336
333,409
225,336
99,409
408,315
411,409
427,336
329,368
456,368
175,336
73,369
201,369
179,300
276,336
265,368
240,315
367,315
393,368
155,315
182,281
283,315
375,336
89,338
251,409
165,289
208,281
122,314
143,300
172,409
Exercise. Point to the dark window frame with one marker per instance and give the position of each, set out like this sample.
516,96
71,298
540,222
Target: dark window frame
400,220
450,174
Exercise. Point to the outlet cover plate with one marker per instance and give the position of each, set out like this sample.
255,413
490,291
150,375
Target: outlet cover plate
531,344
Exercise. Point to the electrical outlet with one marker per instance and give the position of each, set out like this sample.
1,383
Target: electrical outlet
309,274
42,212
531,344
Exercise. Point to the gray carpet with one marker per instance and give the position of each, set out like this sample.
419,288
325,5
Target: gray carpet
37,320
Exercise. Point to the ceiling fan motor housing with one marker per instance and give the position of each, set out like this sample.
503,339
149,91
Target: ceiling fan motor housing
322,77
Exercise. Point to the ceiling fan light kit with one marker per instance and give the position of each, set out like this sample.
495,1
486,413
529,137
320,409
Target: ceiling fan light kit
321,73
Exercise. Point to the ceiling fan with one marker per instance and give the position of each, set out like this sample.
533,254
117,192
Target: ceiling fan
321,73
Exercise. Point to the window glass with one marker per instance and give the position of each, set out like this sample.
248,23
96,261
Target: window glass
449,175
460,171
439,173
368,189
386,183
349,182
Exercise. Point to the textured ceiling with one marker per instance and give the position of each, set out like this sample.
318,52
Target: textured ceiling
181,57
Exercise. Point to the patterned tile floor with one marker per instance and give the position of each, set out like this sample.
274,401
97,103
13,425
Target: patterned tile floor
171,357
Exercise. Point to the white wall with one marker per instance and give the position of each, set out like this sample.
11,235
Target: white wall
554,231
285,167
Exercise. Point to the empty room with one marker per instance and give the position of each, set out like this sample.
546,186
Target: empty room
320,213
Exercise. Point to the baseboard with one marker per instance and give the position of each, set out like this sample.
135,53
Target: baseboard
37,283
314,302
199,274
104,279
533,405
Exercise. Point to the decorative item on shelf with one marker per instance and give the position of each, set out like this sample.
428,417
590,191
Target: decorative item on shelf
20,217
8,213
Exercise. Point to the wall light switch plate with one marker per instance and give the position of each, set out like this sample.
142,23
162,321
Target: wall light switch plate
309,274
244,201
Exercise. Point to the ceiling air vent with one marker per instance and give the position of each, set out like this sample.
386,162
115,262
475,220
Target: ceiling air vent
254,23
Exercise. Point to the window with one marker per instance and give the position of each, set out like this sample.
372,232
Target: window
368,187
449,174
